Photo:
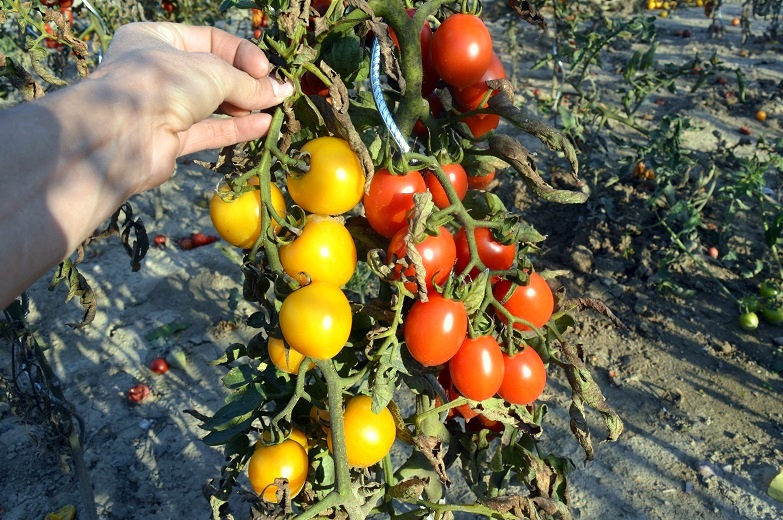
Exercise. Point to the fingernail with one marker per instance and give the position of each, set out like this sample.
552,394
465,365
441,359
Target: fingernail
282,90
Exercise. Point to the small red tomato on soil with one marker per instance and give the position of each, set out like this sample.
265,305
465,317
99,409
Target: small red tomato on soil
186,244
744,130
713,252
159,240
199,239
686,33
761,116
735,21
537,92
159,365
138,393
721,80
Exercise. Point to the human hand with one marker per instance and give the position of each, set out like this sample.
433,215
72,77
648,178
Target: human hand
176,77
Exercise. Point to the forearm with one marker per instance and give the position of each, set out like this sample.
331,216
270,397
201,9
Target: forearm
64,171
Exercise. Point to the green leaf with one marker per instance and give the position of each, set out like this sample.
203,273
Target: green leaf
221,437
239,376
384,378
343,52
239,406
225,5
164,331
232,353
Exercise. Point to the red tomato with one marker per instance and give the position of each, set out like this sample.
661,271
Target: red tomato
159,240
480,182
524,377
389,200
312,85
458,178
444,378
477,368
434,330
468,98
159,365
493,254
186,243
438,254
533,302
199,239
461,50
481,124
138,393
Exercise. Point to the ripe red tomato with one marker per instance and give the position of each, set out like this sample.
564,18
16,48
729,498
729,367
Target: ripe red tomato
493,254
312,85
481,124
138,393
469,98
477,368
533,302
199,239
389,200
458,178
524,377
438,254
434,330
159,240
461,50
480,182
159,365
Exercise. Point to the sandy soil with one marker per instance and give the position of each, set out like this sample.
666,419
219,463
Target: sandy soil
701,399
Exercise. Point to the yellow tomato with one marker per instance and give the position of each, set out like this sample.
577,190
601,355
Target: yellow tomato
296,435
368,436
238,220
325,250
334,183
285,460
316,320
286,359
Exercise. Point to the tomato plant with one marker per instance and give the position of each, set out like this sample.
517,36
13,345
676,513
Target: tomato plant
434,330
316,320
477,368
533,303
524,377
390,199
238,219
287,460
324,251
372,297
438,254
334,180
461,50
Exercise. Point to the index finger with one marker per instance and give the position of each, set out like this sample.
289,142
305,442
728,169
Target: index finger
237,51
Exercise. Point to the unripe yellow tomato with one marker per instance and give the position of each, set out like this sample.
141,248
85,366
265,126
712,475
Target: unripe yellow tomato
325,251
334,183
286,359
368,436
316,320
285,460
237,219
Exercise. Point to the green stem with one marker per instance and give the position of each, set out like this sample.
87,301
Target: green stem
765,224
